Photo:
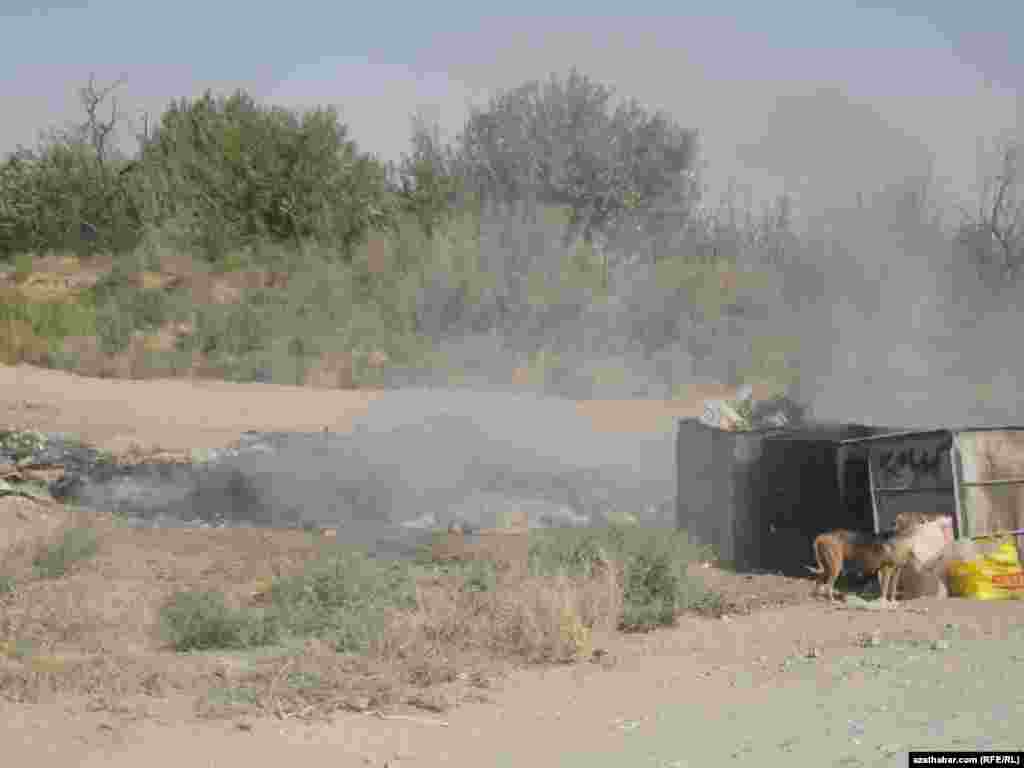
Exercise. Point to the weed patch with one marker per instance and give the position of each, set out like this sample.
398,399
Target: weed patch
343,598
75,545
32,330
652,564
657,585
20,444
202,620
225,699
123,308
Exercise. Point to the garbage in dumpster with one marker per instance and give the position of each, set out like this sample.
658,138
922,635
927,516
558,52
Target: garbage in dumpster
745,413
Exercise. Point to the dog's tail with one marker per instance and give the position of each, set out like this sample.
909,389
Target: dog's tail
820,570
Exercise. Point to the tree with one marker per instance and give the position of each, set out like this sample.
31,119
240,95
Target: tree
994,235
97,132
69,192
234,171
561,143
426,180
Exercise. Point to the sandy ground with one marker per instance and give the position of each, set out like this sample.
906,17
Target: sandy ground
799,684
781,678
181,414
169,414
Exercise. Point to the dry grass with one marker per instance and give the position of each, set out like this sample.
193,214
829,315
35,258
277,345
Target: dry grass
333,370
507,548
532,619
63,280
18,342
94,624
135,362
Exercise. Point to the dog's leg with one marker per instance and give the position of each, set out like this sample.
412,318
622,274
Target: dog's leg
889,589
832,578
820,574
883,586
894,582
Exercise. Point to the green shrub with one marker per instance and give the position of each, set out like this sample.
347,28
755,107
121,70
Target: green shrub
426,180
656,583
122,308
476,575
234,172
47,195
7,584
233,330
20,443
575,551
22,266
229,696
202,620
75,545
50,321
343,597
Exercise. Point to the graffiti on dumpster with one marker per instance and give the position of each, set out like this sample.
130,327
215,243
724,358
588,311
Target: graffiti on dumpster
914,464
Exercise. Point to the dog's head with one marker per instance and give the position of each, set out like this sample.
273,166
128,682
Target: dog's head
907,521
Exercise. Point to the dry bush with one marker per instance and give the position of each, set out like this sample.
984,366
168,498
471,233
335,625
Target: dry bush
147,355
532,619
313,683
207,287
179,264
18,343
89,358
332,370
377,634
506,548
148,280
59,278
131,363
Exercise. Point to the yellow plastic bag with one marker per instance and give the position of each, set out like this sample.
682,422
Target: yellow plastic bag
996,575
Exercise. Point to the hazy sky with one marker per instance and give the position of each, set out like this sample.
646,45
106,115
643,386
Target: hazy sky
828,96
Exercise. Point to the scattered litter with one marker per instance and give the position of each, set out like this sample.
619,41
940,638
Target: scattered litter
408,718
627,725
872,640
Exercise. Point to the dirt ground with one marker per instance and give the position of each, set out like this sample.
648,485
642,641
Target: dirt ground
778,676
183,414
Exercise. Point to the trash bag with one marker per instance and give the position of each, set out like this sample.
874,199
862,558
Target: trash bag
992,575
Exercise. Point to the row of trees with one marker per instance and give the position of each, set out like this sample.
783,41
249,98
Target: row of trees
217,173
214,172
223,171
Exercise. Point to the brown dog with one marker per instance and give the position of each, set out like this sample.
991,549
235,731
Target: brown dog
883,553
